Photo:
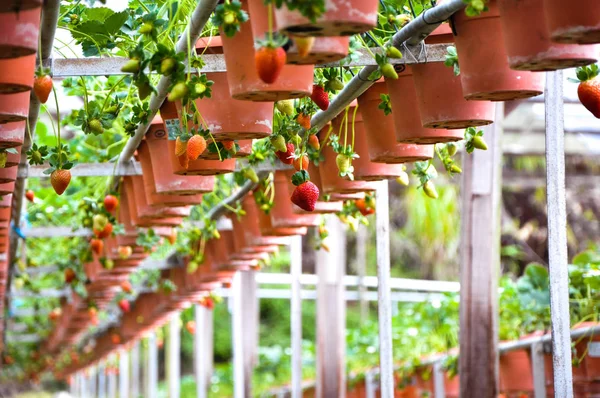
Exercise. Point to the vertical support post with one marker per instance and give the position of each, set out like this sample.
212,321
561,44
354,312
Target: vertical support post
384,295
152,366
296,315
557,236
82,384
480,263
369,385
73,386
135,370
245,331
112,384
123,374
362,236
101,381
92,381
203,349
439,388
174,347
539,372
331,314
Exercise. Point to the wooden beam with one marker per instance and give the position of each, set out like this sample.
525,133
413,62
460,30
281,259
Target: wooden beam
331,314
480,262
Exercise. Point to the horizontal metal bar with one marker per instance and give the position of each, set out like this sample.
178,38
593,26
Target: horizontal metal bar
67,67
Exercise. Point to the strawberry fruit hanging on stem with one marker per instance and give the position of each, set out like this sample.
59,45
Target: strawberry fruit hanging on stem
42,85
306,193
589,88
270,57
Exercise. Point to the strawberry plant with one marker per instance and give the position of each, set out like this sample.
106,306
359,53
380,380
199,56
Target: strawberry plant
229,16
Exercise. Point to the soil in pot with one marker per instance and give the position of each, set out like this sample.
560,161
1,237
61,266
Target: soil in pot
484,71
527,40
341,18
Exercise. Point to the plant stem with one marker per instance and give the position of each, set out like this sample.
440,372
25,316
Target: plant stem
111,91
58,128
270,17
365,44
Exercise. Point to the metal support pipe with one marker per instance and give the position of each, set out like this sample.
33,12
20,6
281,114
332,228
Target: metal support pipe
101,381
439,387
198,20
557,236
414,32
135,370
173,354
386,363
152,367
203,349
296,315
123,374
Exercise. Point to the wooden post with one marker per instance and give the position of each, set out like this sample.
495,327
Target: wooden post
296,315
480,262
245,331
557,236
362,237
135,370
203,349
539,372
152,367
173,354
384,294
331,314
123,374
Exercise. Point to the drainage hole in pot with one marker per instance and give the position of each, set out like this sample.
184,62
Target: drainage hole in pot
304,29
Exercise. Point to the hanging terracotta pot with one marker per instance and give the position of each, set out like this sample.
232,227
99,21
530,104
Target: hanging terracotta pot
11,134
7,188
16,74
328,171
244,84
341,18
484,71
19,5
267,228
324,50
282,214
407,117
381,137
347,196
527,40
5,214
14,107
573,22
20,28
516,372
321,206
6,201
129,199
245,149
251,227
8,174
134,186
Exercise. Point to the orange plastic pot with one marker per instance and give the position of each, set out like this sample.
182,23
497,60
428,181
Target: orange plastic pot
573,22
6,202
14,107
19,29
11,134
180,190
245,149
324,50
407,117
251,227
134,186
484,71
341,18
527,40
515,372
282,213
199,167
16,74
381,137
295,81
330,180
7,188
8,174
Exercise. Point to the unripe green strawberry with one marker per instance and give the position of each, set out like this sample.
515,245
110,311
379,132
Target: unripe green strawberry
452,148
393,52
430,190
479,143
36,157
343,162
285,106
200,88
178,91
146,28
251,175
403,179
167,65
131,66
96,126
99,222
278,143
144,90
3,159
229,18
296,140
335,84
388,71
454,168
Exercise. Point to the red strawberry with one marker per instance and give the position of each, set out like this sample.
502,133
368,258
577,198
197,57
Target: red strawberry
313,142
304,120
110,203
191,327
320,97
301,163
124,252
30,195
195,146
305,196
104,233
208,302
184,161
60,180
124,305
269,62
69,275
288,156
589,95
172,238
97,246
365,207
115,338
55,314
126,287
42,86
228,144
